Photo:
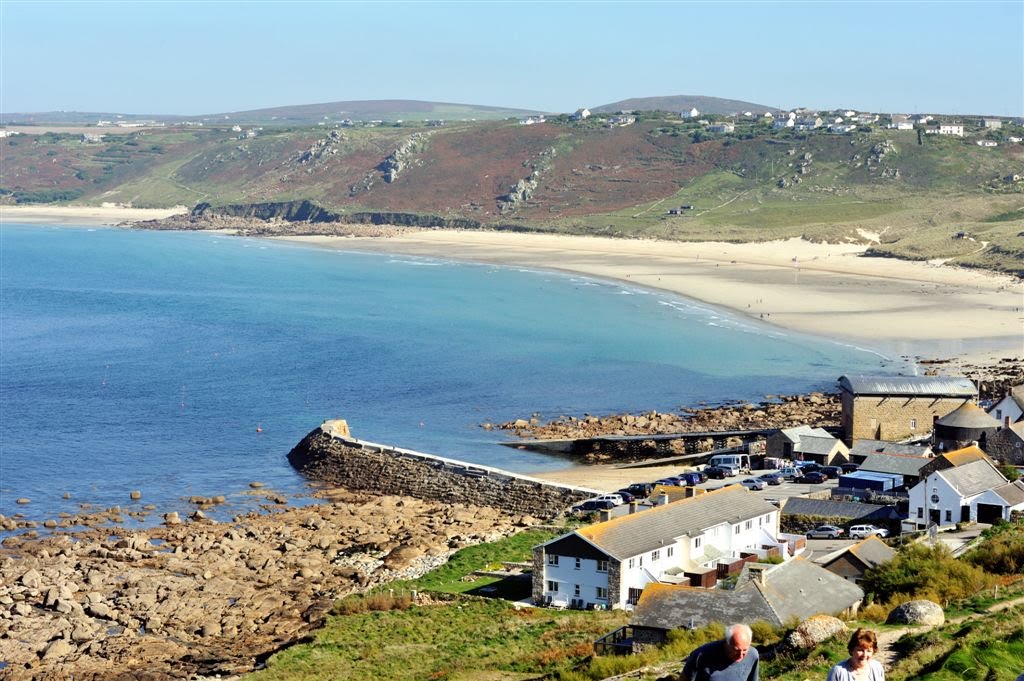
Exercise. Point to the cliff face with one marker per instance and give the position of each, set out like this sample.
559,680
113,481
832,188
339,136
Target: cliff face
308,212
354,465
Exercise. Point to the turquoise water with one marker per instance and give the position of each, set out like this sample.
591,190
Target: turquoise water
149,360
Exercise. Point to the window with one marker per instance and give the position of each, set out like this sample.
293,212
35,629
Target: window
576,590
737,530
655,555
552,585
552,559
602,566
579,564
640,561
697,542
949,516
750,524
633,596
913,424
920,512
669,551
602,593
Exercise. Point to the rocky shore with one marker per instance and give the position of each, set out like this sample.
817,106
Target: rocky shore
785,411
202,598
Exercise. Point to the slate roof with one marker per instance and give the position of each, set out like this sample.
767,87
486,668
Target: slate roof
813,444
959,457
634,534
1012,493
973,478
968,415
828,508
872,551
866,447
893,463
939,386
794,589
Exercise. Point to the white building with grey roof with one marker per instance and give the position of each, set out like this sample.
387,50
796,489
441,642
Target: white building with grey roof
608,564
972,492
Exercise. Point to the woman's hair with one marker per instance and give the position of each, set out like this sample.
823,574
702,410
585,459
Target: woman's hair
863,638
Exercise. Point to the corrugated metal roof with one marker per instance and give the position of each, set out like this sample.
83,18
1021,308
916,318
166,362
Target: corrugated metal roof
632,535
893,463
939,386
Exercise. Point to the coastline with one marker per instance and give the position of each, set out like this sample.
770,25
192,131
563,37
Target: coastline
896,307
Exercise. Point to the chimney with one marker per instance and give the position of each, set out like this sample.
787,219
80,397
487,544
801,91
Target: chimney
1006,422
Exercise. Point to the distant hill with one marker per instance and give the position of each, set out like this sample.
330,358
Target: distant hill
371,110
677,103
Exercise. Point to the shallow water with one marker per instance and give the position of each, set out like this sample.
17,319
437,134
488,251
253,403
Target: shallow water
189,364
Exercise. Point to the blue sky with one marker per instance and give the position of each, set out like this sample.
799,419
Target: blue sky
195,58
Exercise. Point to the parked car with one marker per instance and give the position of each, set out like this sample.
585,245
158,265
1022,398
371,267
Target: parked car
865,531
850,467
753,484
672,482
626,495
614,498
825,532
789,472
772,478
812,478
832,472
592,505
716,472
641,489
692,477
808,466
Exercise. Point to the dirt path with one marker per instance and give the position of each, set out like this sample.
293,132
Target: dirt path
887,654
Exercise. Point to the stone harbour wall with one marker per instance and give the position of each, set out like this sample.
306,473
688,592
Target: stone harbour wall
331,455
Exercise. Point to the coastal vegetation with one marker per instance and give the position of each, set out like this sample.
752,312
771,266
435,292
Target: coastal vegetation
904,195
455,632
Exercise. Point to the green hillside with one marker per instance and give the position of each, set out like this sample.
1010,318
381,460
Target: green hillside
907,193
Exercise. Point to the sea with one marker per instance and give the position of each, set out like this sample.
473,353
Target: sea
182,363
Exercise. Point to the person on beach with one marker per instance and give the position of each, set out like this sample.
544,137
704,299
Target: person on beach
731,659
861,665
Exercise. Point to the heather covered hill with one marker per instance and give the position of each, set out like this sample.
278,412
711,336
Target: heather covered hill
906,193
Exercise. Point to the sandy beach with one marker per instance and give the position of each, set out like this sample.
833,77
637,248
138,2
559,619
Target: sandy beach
897,307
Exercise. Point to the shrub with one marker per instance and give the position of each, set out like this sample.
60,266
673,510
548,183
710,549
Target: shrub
920,571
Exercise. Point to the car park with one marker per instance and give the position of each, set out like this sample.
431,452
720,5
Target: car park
825,532
865,531
753,484
812,478
773,478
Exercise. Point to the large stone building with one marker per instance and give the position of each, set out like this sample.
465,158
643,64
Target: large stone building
898,407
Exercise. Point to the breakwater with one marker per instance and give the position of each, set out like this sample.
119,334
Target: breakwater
330,454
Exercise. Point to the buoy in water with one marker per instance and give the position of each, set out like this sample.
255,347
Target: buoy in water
258,429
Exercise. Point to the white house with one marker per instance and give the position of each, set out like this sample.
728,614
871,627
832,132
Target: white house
692,113
608,564
580,114
1011,406
953,129
991,123
987,143
808,123
779,123
722,127
973,492
900,122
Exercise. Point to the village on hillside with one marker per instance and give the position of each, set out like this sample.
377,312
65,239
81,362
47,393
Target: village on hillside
915,459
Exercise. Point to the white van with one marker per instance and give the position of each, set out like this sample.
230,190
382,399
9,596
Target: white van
738,462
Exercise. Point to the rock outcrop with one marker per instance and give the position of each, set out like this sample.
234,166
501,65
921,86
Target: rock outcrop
815,630
922,612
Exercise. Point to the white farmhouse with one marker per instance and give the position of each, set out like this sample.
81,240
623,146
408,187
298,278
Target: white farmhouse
972,492
580,114
1010,407
608,564
692,113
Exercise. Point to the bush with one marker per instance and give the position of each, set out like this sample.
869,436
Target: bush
920,571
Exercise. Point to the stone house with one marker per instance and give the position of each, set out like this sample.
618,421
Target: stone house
972,492
777,594
991,123
1007,445
853,561
608,564
898,407
804,443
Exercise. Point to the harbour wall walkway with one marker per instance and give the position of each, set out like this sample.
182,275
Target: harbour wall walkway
331,455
